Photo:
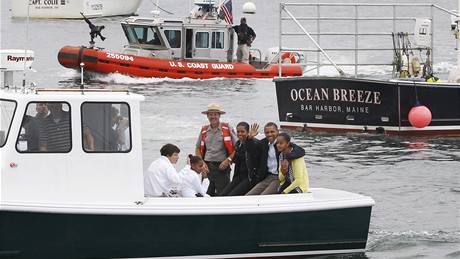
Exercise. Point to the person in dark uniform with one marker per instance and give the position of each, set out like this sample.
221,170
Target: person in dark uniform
246,36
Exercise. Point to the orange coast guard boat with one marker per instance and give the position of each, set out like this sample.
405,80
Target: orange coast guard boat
200,46
107,62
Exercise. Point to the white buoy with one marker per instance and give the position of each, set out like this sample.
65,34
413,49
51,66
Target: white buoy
249,8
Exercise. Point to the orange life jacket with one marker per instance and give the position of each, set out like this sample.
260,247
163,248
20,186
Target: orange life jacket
225,134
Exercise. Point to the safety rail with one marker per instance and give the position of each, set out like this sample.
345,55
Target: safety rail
76,90
358,15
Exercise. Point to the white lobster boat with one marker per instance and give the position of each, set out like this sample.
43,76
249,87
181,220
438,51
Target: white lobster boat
73,200
71,8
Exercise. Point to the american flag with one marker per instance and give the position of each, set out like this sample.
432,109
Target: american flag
226,11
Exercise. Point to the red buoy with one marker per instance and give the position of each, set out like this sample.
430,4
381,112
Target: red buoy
420,116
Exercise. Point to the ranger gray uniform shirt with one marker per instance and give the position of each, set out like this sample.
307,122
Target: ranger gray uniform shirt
214,143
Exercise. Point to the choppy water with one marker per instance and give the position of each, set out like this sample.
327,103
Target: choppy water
414,181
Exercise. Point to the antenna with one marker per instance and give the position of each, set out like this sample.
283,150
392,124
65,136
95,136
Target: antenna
82,83
156,12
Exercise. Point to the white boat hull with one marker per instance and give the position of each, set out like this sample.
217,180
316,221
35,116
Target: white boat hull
71,8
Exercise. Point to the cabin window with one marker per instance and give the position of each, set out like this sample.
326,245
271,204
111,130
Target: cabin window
217,40
129,33
7,109
106,127
174,38
146,35
202,40
46,127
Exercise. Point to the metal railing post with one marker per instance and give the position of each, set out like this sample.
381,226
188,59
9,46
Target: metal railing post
318,38
432,35
280,38
394,33
356,40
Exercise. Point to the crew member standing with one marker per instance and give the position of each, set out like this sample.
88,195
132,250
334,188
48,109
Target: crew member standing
215,145
246,36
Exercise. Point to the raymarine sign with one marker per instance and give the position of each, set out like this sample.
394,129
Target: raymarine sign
13,59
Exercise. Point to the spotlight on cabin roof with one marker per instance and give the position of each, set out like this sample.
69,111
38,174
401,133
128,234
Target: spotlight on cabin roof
249,8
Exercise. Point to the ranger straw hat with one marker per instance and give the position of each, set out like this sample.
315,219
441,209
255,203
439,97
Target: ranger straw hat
213,107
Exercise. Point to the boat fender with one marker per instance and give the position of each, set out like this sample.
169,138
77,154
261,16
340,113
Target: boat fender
404,68
415,66
419,116
288,57
432,79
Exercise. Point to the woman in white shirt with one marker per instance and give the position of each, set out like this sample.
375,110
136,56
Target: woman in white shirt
195,180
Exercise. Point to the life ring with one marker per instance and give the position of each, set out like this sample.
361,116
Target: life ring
289,56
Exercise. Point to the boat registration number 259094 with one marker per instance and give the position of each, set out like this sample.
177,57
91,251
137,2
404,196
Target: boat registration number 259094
119,56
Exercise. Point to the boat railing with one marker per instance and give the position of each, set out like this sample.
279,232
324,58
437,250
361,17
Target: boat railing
357,14
81,91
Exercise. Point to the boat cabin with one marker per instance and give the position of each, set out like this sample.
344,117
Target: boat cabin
83,145
189,39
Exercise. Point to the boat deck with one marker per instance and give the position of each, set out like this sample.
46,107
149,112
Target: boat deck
316,199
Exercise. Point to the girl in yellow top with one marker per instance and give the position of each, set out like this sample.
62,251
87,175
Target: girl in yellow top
293,175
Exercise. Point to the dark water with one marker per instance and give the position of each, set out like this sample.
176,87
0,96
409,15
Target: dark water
414,181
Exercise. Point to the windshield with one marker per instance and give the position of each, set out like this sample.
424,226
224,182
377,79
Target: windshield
142,35
7,109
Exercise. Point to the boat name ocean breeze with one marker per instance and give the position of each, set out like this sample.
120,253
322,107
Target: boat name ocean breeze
336,95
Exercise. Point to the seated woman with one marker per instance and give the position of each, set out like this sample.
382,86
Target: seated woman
293,175
195,180
161,178
246,159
